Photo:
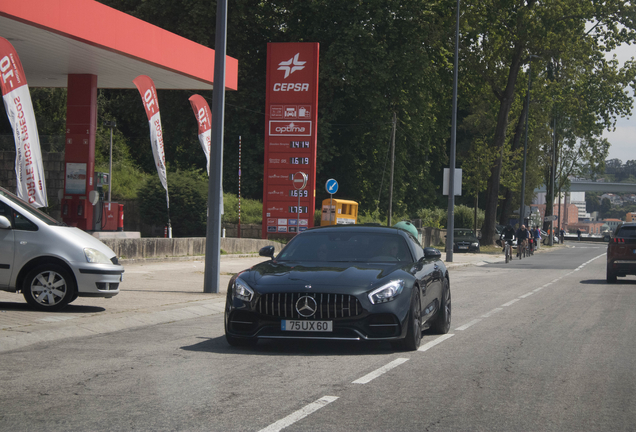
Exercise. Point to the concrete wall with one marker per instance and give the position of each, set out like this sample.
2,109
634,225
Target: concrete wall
181,247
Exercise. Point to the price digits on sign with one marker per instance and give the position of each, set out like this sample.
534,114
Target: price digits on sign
299,160
294,209
298,193
300,144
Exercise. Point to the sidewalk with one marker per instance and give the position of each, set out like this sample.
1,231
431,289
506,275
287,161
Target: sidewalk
153,292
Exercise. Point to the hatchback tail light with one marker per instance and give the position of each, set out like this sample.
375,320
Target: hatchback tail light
618,240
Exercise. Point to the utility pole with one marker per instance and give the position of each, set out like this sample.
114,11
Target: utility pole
392,166
212,275
450,224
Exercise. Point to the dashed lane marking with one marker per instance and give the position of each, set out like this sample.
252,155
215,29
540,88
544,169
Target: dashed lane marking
378,372
300,414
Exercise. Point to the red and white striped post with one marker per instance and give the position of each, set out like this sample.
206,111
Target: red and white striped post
239,192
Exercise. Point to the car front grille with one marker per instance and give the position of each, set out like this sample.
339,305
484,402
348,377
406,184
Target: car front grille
329,306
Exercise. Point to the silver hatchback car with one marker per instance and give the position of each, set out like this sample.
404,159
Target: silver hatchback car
51,263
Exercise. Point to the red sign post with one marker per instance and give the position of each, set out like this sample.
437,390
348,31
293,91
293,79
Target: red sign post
291,136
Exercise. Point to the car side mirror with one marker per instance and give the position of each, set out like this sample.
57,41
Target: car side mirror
430,252
267,251
4,223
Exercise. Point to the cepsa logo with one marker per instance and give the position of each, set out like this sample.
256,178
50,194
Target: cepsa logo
289,67
295,128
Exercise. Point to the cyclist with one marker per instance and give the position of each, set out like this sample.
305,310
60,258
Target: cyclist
522,240
507,236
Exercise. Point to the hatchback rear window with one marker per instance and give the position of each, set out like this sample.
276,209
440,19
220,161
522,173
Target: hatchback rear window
627,232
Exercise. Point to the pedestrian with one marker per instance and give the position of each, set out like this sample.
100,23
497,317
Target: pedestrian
578,233
536,233
562,236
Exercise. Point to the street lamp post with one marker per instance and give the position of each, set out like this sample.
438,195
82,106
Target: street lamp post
450,221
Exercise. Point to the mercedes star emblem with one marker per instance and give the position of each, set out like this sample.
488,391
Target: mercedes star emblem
306,306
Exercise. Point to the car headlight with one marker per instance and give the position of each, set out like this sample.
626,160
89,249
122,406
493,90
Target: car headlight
386,293
242,291
96,257
475,244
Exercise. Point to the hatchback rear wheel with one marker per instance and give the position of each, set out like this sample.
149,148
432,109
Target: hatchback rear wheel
610,275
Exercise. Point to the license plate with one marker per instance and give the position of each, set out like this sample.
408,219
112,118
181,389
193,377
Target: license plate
301,325
463,247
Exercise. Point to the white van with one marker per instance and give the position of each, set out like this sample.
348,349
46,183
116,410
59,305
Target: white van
51,263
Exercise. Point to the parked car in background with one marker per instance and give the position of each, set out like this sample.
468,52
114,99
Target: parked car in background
342,282
51,263
621,253
545,239
465,240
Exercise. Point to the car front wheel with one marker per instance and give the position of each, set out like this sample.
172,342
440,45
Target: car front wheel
442,321
414,333
48,287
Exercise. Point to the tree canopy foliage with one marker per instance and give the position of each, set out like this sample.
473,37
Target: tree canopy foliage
380,57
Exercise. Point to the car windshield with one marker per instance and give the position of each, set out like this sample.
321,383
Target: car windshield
24,207
346,246
464,232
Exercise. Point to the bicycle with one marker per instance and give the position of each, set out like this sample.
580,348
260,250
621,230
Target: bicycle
508,250
521,249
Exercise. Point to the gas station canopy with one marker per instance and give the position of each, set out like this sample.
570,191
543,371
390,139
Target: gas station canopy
55,38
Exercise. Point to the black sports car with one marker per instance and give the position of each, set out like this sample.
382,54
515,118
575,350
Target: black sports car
342,282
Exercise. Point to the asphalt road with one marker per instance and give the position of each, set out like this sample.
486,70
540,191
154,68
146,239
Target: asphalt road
538,344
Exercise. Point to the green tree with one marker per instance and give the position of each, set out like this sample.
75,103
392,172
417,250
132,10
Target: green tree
495,56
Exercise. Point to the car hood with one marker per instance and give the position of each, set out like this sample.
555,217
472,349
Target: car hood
81,239
273,276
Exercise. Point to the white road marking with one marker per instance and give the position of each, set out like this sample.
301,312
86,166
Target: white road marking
526,295
468,324
376,373
432,343
57,318
300,414
492,312
511,302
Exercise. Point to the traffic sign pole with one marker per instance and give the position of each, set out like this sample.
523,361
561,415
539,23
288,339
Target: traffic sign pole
332,187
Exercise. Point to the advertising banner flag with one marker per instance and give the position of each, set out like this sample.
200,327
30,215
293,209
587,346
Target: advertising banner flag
29,168
148,92
204,120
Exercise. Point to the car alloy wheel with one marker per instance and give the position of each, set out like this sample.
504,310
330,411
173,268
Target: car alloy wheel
414,333
443,319
48,287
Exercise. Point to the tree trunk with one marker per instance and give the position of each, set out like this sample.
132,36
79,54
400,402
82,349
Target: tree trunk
492,192
506,205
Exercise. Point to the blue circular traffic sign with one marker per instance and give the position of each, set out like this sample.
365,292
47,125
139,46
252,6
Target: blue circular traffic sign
331,186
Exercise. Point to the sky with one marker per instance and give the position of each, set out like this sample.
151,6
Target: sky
623,139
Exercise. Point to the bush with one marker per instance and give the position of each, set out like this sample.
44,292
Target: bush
251,210
464,217
188,202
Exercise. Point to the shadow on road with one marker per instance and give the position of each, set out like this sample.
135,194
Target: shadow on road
290,347
70,309
619,281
